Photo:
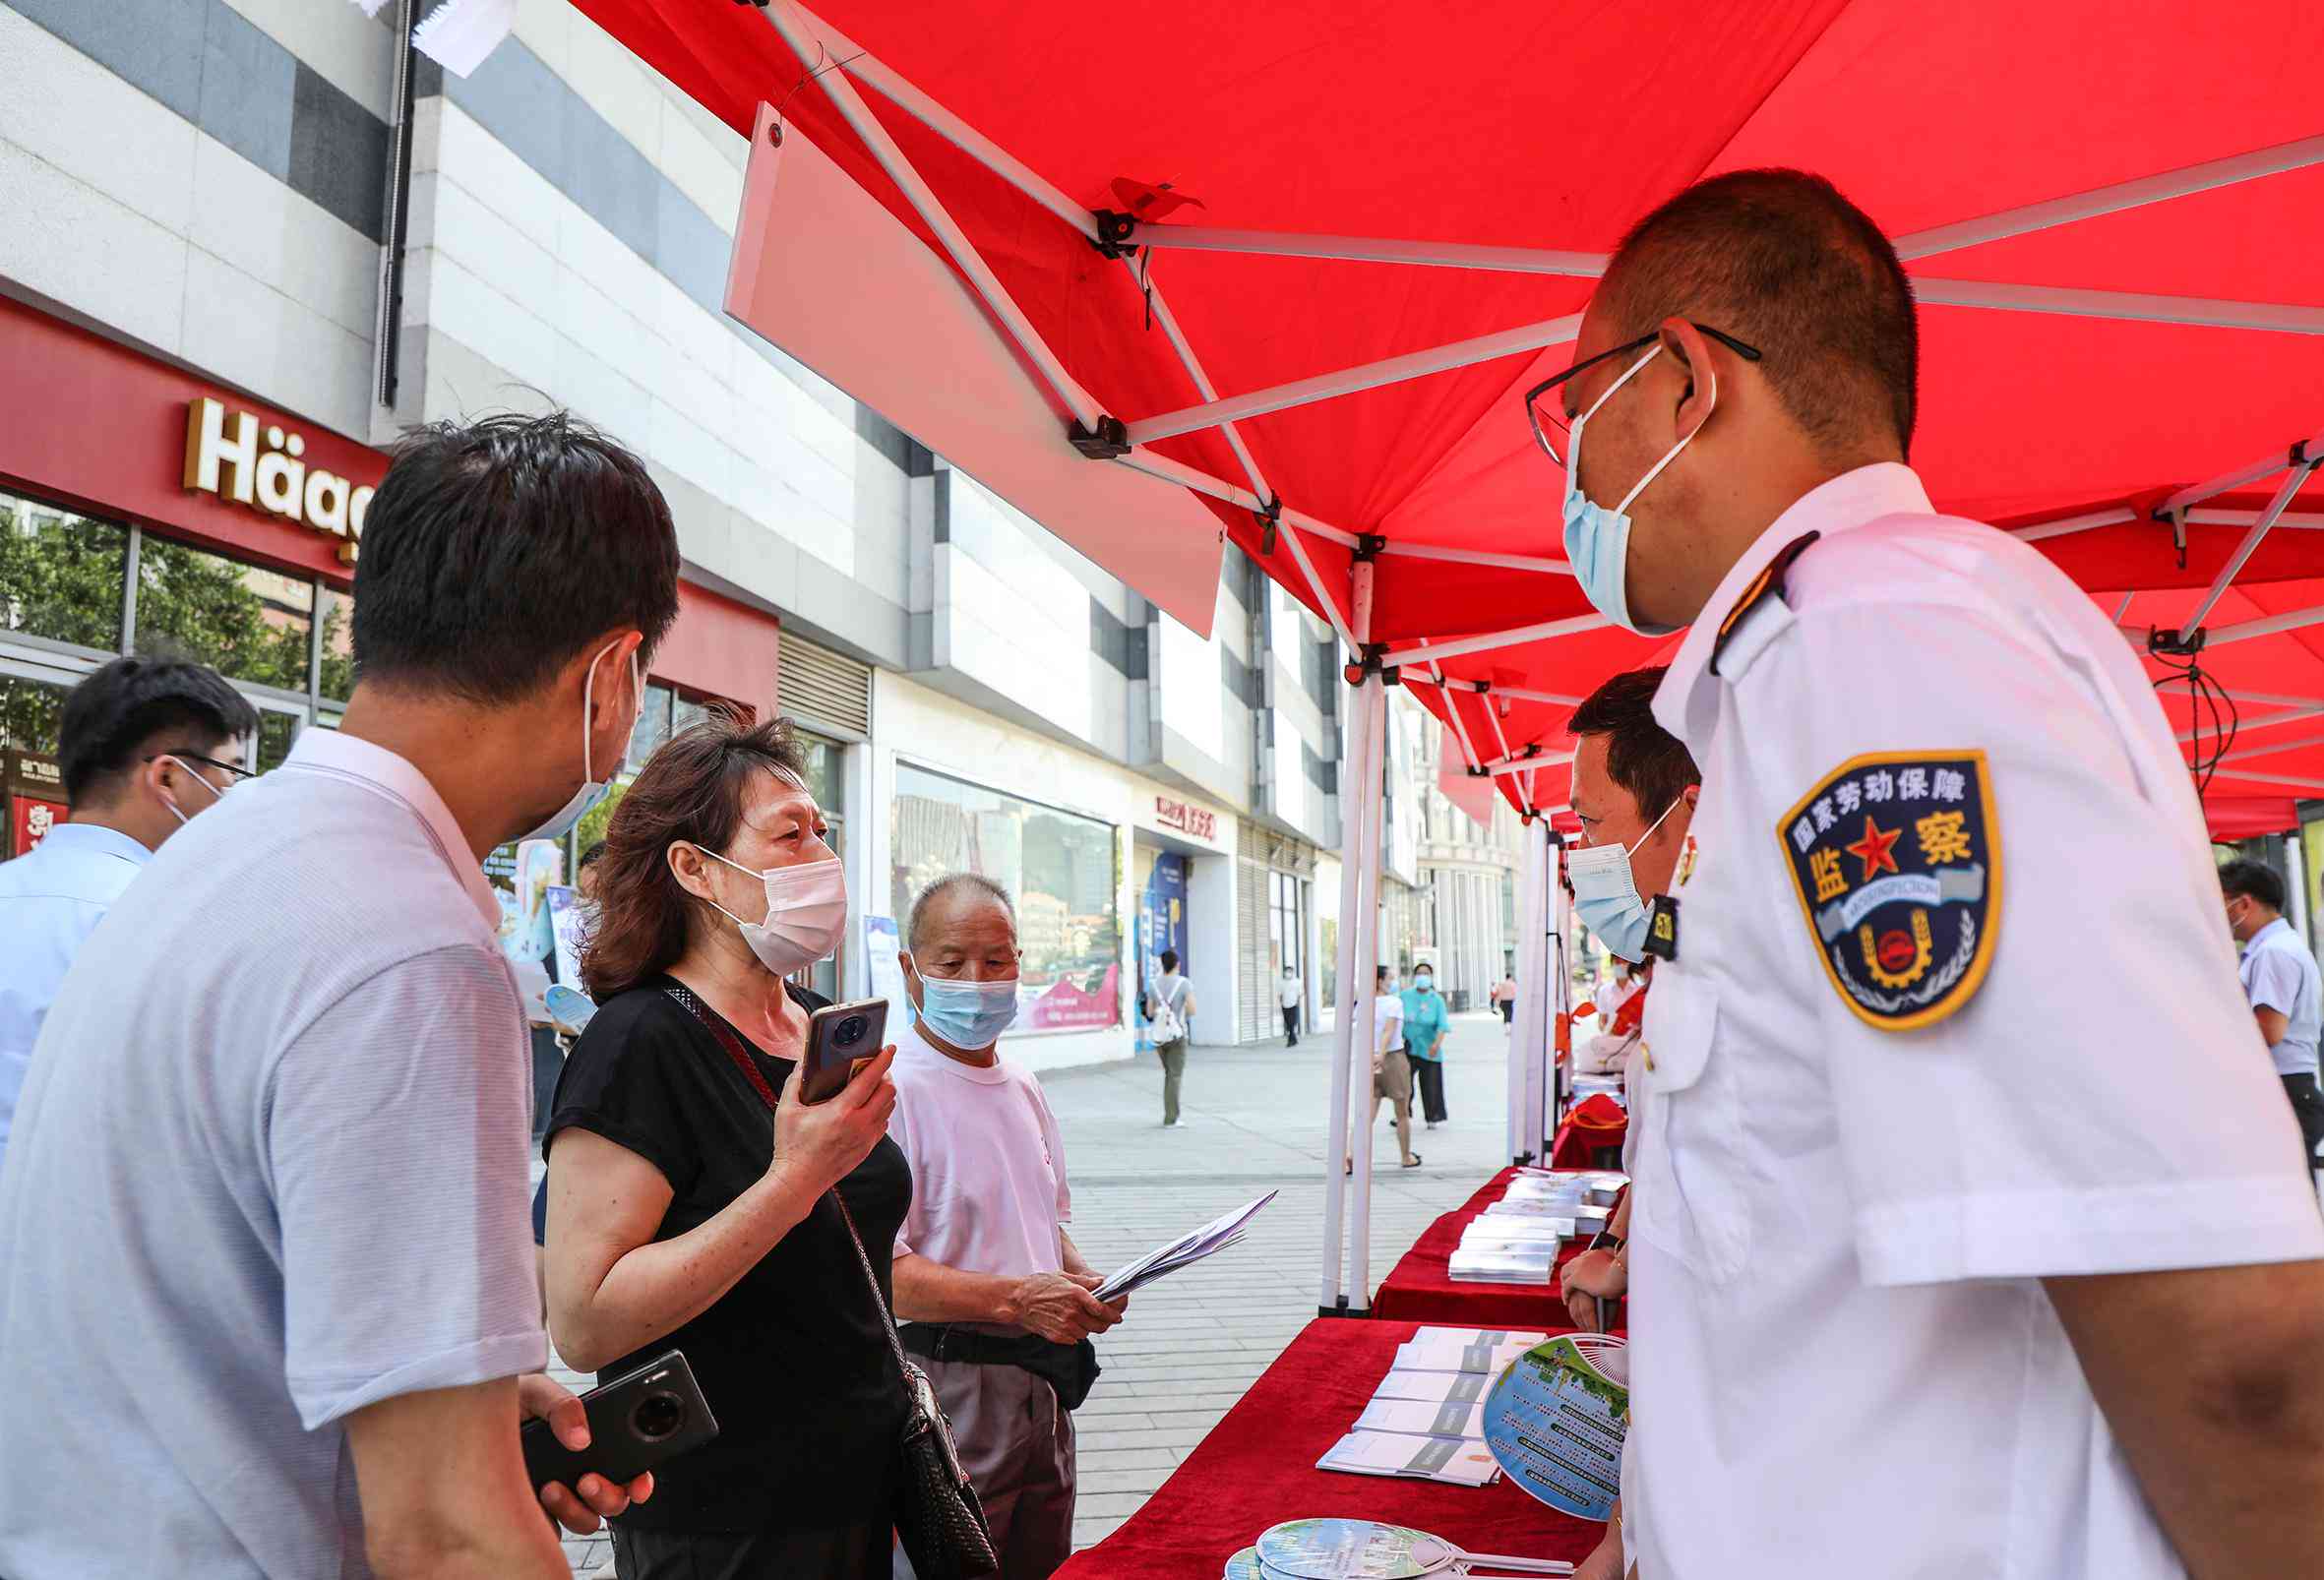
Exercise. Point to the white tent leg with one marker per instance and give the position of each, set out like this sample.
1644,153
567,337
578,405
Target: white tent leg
1350,1041
1521,1019
1366,964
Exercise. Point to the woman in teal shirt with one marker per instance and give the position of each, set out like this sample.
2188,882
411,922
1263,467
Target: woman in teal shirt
1424,1025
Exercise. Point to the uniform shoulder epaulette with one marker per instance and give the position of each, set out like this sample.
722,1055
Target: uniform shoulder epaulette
1768,583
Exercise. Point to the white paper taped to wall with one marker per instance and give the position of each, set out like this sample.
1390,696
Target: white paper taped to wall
459,34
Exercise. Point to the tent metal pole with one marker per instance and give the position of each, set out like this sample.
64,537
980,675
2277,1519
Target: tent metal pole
792,23
1529,889
2270,779
1201,482
2242,753
2305,520
1345,1042
1516,693
1505,562
2113,199
2292,620
1462,645
1372,250
1348,381
2267,466
883,79
1526,765
1460,730
2130,306
2067,524
1360,1064
1234,436
1560,999
2246,726
2259,529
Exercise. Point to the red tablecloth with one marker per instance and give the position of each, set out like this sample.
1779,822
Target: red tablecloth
1420,1288
1257,1469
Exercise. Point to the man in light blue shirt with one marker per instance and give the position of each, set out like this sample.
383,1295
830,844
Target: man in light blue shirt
2287,993
143,747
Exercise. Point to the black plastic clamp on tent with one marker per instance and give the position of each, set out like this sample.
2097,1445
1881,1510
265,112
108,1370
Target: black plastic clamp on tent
1110,439
1114,230
1269,519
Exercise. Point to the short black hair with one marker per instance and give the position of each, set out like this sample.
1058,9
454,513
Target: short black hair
1641,756
590,857
1782,261
130,701
1170,959
977,882
495,550
2251,880
1380,974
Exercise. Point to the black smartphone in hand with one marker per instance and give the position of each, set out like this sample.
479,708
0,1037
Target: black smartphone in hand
637,1422
840,1036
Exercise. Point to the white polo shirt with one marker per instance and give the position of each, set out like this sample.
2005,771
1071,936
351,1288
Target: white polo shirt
270,1167
1952,1011
989,1191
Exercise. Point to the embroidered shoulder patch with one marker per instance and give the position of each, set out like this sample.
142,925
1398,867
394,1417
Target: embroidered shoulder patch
1896,857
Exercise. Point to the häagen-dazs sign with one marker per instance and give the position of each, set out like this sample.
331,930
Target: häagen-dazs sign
232,454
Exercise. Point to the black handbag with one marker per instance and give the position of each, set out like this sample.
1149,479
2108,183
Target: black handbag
939,1517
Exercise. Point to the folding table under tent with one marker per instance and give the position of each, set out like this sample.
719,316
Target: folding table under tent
1280,273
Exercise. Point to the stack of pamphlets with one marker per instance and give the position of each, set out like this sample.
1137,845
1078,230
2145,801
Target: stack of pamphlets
1427,1418
1516,1240
1214,1236
1587,1086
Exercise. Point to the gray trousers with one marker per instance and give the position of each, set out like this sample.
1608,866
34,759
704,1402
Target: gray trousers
1017,1443
1174,1071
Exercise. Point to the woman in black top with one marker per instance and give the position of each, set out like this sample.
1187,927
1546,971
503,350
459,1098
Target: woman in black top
681,1214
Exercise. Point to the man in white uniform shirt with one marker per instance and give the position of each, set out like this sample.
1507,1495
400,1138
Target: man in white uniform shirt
266,1286
1968,1239
2280,981
992,1293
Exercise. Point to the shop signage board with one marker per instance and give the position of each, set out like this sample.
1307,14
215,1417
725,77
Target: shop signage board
231,454
1183,820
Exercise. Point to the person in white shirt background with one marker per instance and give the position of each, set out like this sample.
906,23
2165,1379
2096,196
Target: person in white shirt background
1968,1238
142,747
1289,993
1170,1007
1392,1068
2280,981
990,1288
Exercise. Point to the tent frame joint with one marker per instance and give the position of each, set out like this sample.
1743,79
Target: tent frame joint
1109,441
1116,233
2176,643
1269,521
1369,546
1366,664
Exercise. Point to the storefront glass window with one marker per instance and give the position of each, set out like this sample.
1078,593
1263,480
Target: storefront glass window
277,730
827,782
60,573
338,645
1059,868
251,624
28,710
653,726
1283,927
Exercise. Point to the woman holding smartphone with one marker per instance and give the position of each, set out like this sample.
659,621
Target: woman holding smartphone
683,1215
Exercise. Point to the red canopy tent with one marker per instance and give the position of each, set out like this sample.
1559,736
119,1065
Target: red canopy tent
1296,261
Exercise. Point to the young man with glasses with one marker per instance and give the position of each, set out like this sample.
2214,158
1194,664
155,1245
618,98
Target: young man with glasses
1965,1209
144,747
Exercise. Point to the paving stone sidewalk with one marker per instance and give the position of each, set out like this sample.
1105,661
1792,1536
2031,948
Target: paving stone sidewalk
1195,1341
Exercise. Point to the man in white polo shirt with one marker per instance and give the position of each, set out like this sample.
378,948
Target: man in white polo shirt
267,1295
993,1295
2280,981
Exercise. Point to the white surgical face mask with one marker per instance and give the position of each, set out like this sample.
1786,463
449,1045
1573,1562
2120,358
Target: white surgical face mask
970,1015
1598,539
1606,893
806,913
593,789
215,794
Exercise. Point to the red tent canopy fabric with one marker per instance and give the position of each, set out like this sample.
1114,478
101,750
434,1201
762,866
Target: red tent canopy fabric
2088,358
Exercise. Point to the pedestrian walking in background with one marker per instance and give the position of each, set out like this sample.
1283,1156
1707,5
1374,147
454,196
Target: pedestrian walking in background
1391,1069
263,1249
143,747
1504,993
2280,979
1170,1005
1289,993
1425,1024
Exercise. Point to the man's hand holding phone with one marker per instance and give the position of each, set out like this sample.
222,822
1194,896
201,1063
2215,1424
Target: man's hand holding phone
819,1145
578,1508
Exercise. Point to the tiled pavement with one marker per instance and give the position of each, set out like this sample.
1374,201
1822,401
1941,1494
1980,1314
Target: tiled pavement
1194,1342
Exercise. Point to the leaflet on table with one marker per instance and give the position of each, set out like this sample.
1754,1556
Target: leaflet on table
1551,1188
1451,1355
1476,1266
1510,1226
1214,1236
1434,1388
1419,1419
1435,1459
1613,1177
1557,1419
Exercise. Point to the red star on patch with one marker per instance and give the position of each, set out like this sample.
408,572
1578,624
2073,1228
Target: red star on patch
1874,849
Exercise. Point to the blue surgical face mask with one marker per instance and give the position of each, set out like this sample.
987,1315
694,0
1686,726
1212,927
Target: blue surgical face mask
1605,895
1598,539
593,789
1422,981
970,1015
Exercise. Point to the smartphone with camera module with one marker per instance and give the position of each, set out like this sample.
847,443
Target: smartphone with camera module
839,1037
640,1420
